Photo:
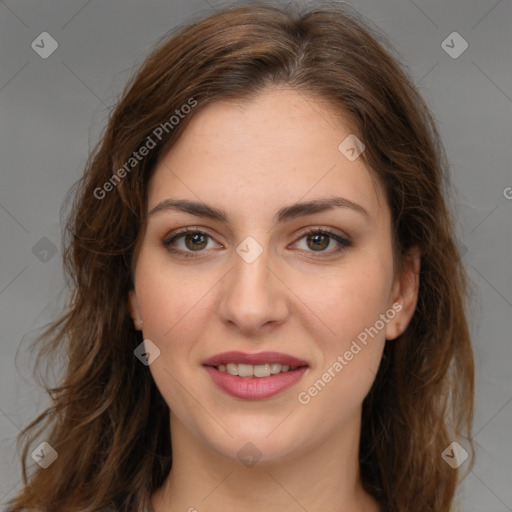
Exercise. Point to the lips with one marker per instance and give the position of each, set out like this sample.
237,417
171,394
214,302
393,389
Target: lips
250,387
254,359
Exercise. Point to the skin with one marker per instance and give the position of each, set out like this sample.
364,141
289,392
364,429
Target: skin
299,297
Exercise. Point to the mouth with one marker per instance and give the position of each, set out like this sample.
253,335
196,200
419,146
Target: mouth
255,376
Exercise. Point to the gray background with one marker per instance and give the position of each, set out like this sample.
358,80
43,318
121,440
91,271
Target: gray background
52,111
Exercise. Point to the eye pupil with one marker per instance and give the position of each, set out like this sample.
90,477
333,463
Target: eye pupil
196,237
316,237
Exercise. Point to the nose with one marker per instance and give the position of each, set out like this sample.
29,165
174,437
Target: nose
254,298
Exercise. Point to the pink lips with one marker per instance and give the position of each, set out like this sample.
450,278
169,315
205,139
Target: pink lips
255,388
257,358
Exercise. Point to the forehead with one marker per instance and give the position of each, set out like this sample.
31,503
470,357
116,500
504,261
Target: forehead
254,156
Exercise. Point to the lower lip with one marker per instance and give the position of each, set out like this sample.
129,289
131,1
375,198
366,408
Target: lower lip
255,388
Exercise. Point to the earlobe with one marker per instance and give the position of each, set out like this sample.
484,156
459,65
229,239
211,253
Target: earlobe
405,294
133,306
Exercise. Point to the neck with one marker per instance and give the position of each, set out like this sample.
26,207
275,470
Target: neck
314,478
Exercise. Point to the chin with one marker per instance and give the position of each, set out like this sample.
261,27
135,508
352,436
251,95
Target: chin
258,442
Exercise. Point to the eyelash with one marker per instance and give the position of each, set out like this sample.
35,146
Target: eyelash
344,243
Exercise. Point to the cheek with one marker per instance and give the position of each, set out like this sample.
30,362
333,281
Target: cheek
351,297
350,355
170,299
350,301
173,308
361,297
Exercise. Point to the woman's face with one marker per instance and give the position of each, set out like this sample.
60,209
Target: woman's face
256,281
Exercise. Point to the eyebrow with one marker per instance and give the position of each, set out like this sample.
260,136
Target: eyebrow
285,213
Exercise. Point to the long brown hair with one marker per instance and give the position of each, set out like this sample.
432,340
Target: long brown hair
107,420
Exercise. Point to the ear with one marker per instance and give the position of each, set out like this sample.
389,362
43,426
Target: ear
405,294
133,306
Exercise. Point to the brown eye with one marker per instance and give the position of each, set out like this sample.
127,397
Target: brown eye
196,241
187,242
318,241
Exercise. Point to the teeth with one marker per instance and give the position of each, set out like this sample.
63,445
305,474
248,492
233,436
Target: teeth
232,368
257,370
275,368
262,370
245,370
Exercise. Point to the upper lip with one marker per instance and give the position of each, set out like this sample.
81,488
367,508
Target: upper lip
255,358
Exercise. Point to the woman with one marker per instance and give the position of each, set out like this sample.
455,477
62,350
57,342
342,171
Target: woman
268,307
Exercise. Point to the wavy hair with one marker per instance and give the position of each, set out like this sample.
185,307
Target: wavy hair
107,420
